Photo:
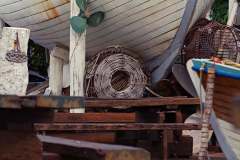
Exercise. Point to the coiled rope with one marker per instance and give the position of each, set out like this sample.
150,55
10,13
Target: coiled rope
115,73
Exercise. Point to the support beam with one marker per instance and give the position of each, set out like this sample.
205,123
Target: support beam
141,102
57,57
2,24
232,12
77,59
114,126
14,69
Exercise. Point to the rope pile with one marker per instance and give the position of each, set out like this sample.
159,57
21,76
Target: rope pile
115,73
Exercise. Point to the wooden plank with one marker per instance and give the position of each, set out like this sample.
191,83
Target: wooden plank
142,102
89,150
98,137
78,102
54,102
113,126
55,72
94,117
39,89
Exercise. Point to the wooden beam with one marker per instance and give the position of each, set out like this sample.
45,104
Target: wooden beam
113,126
232,12
61,52
54,102
94,117
92,151
98,137
39,89
2,24
142,102
13,72
77,59
56,72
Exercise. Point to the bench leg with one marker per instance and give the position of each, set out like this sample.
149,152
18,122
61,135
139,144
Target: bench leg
165,144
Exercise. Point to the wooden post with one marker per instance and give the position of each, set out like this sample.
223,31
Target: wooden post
14,75
1,27
165,144
203,153
77,59
58,57
232,12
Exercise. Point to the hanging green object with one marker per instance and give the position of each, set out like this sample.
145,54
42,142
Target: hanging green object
95,19
82,4
78,24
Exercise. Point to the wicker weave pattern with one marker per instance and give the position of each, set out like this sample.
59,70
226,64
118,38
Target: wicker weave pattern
103,82
209,38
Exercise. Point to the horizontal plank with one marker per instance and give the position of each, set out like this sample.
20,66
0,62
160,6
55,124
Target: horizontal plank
90,150
142,102
54,102
94,117
99,137
113,126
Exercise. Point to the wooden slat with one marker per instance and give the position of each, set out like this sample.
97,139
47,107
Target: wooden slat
54,102
143,102
99,137
91,150
113,126
94,117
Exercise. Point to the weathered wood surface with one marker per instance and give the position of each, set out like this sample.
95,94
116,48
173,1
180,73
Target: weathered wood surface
113,126
54,102
38,90
77,59
13,76
94,117
2,24
55,73
233,9
92,151
141,102
78,102
99,137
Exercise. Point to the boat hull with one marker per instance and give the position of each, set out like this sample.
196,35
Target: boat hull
224,119
148,27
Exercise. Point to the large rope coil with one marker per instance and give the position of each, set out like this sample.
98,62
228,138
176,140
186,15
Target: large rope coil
115,73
